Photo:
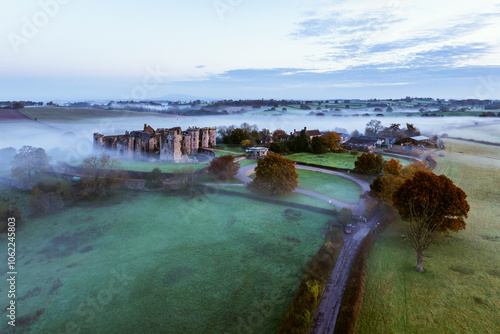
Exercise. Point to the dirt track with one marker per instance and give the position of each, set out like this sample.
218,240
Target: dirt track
326,315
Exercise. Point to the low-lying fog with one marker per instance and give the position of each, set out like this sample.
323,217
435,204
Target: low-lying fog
73,140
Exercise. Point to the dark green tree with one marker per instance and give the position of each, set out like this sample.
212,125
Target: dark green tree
318,146
369,163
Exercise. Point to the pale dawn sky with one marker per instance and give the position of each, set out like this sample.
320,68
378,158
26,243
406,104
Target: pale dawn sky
77,50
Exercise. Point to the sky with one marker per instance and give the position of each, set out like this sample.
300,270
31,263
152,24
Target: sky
239,49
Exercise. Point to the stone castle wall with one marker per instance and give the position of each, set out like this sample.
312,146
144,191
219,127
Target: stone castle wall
166,144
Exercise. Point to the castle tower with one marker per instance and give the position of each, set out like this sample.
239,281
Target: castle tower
212,139
205,138
170,144
195,139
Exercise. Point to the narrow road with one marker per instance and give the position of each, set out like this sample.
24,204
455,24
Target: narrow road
326,315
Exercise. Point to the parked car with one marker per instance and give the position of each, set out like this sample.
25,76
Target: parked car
358,218
348,229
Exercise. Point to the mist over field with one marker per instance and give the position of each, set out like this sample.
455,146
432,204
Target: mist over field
74,137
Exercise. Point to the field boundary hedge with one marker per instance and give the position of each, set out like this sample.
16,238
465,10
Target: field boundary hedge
299,317
475,141
68,170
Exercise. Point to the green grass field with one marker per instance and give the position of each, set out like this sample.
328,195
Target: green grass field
338,160
206,178
155,264
330,185
230,148
142,166
460,290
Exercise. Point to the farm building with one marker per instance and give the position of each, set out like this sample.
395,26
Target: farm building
362,143
257,152
420,139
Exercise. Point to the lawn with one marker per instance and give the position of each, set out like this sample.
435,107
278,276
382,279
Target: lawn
142,166
338,160
460,291
334,186
149,263
221,153
207,178
231,148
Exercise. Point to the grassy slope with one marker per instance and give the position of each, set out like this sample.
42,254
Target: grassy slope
338,160
207,178
210,265
330,185
460,292
489,133
73,114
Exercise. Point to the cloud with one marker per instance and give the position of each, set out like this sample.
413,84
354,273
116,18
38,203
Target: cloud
200,66
395,36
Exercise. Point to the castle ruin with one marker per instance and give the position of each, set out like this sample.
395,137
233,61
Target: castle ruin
164,144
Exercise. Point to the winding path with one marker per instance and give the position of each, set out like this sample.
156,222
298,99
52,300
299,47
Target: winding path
245,171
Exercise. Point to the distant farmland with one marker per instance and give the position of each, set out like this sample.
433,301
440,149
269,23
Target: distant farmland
11,115
74,114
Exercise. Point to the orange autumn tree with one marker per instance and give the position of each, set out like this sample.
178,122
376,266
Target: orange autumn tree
394,176
279,135
331,140
393,167
274,175
430,204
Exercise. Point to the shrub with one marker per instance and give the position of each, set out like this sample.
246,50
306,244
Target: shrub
153,179
7,212
223,168
50,197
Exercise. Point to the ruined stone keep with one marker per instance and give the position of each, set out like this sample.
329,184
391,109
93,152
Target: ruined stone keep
165,144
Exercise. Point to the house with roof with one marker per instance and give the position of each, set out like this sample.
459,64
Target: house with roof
362,143
309,133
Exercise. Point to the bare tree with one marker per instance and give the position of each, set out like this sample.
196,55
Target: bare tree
100,174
